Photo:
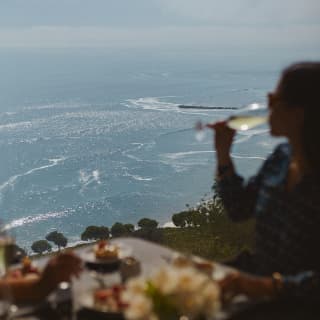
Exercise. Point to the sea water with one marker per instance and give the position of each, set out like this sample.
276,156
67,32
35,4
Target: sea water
94,137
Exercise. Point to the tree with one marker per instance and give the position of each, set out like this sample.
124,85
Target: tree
154,235
129,227
198,218
184,218
41,246
179,220
95,233
57,238
119,229
146,223
206,212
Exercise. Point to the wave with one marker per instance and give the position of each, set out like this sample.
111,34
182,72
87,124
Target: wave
137,177
181,161
12,180
178,155
137,146
8,113
238,156
35,219
87,178
151,103
157,104
15,125
58,105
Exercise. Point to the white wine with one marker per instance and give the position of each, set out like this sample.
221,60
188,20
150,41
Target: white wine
244,119
245,122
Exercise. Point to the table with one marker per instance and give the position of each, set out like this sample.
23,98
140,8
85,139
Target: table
150,255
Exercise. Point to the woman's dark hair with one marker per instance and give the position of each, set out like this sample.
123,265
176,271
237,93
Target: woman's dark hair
300,87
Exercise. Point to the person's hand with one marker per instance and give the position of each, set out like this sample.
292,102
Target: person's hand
60,268
230,286
223,139
242,283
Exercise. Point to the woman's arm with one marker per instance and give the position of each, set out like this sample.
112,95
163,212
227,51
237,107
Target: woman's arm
238,198
302,285
58,269
249,285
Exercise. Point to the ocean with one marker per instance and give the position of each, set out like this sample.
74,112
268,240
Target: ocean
91,137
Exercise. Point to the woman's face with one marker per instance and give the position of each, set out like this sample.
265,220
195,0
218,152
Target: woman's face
284,120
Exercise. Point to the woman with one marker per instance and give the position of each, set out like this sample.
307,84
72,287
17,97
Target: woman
58,269
284,197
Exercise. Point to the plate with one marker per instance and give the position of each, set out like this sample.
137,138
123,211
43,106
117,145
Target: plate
105,265
89,311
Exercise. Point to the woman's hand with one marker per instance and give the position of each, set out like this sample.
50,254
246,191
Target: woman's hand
251,286
223,137
60,268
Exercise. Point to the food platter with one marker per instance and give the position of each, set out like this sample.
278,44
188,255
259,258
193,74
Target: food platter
109,263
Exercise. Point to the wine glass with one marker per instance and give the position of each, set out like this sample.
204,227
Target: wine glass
249,117
243,119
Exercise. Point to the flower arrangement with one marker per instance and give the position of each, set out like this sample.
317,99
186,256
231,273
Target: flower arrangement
170,293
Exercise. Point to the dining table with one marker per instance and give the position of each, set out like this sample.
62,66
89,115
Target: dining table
63,304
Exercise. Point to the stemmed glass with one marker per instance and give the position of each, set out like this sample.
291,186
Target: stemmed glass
245,118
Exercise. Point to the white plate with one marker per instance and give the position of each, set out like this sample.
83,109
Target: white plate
90,257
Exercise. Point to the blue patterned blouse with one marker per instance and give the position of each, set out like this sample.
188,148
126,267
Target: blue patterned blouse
287,223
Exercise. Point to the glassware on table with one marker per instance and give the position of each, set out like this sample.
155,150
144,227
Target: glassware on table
130,267
7,249
7,244
243,119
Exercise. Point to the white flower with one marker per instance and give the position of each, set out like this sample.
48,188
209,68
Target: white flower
140,307
190,304
191,292
211,294
165,280
136,285
190,280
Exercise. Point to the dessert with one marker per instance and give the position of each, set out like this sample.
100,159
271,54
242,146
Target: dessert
26,270
109,299
105,251
201,265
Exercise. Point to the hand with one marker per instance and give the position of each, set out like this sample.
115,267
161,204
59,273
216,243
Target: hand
242,283
60,268
222,141
230,286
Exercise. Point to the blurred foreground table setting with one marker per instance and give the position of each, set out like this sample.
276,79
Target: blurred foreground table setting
134,279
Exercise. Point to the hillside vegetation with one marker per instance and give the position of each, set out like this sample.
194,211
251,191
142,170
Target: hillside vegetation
204,230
